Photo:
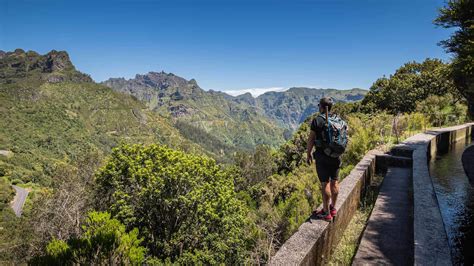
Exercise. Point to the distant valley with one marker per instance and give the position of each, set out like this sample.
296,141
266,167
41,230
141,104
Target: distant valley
192,106
51,111
291,107
208,118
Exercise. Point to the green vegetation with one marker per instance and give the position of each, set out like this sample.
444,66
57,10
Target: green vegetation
49,123
160,196
103,241
184,205
459,14
224,124
31,69
411,83
442,110
6,194
49,126
347,247
208,118
290,108
285,198
58,122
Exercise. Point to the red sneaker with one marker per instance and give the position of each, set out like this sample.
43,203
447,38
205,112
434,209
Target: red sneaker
332,210
323,215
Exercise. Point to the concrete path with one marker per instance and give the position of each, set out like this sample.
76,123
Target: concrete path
388,237
19,200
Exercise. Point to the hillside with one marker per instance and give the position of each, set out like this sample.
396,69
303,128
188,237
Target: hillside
290,108
53,114
30,68
225,124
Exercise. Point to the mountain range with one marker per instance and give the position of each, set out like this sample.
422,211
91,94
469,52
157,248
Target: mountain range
230,123
53,113
248,121
291,107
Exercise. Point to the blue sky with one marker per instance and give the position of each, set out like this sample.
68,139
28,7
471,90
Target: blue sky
231,44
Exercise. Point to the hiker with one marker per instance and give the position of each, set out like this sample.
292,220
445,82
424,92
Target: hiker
329,136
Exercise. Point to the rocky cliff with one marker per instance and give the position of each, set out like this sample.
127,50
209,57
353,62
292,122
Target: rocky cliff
52,67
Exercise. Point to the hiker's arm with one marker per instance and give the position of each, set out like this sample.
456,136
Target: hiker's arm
309,146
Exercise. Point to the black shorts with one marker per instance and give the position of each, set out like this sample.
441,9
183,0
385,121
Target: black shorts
326,167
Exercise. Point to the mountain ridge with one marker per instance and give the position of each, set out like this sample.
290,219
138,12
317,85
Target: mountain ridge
293,106
53,67
231,124
48,122
288,109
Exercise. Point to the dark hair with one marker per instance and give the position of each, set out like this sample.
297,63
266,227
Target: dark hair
326,101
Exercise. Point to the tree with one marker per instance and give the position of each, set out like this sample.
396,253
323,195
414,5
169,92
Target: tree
184,205
460,14
411,83
104,241
255,167
59,213
6,194
442,110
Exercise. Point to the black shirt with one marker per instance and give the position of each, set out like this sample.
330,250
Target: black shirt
317,125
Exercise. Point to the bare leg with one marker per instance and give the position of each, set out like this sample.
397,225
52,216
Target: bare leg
326,192
334,192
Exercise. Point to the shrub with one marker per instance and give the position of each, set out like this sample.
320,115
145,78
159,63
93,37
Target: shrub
184,205
443,110
103,241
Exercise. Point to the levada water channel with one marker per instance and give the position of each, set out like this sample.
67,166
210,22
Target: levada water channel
456,200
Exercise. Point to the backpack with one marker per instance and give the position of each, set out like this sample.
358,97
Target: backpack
334,135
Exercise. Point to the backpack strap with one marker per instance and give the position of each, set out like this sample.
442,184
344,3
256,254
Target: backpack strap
327,125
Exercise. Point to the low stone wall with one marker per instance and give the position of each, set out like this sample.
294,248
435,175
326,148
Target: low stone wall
430,239
316,239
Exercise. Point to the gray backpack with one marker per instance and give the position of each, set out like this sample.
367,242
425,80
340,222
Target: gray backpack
334,135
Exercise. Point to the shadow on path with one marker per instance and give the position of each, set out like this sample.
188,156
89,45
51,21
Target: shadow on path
388,237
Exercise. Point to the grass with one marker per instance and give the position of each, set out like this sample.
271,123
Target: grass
347,247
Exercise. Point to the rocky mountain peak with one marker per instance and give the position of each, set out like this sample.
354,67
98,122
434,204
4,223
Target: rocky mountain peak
161,80
19,51
54,66
160,90
247,98
58,60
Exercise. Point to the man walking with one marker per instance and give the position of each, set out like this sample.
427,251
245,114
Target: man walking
329,136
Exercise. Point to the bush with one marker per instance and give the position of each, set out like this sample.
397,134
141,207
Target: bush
17,181
411,83
443,110
184,205
103,241
6,194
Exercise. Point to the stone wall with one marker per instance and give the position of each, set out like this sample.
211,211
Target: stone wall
430,239
315,240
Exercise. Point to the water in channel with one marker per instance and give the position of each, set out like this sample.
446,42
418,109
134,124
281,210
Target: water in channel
456,200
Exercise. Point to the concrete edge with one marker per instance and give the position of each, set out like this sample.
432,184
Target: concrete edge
430,238
315,240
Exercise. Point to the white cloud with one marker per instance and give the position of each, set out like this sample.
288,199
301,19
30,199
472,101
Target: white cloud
254,91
